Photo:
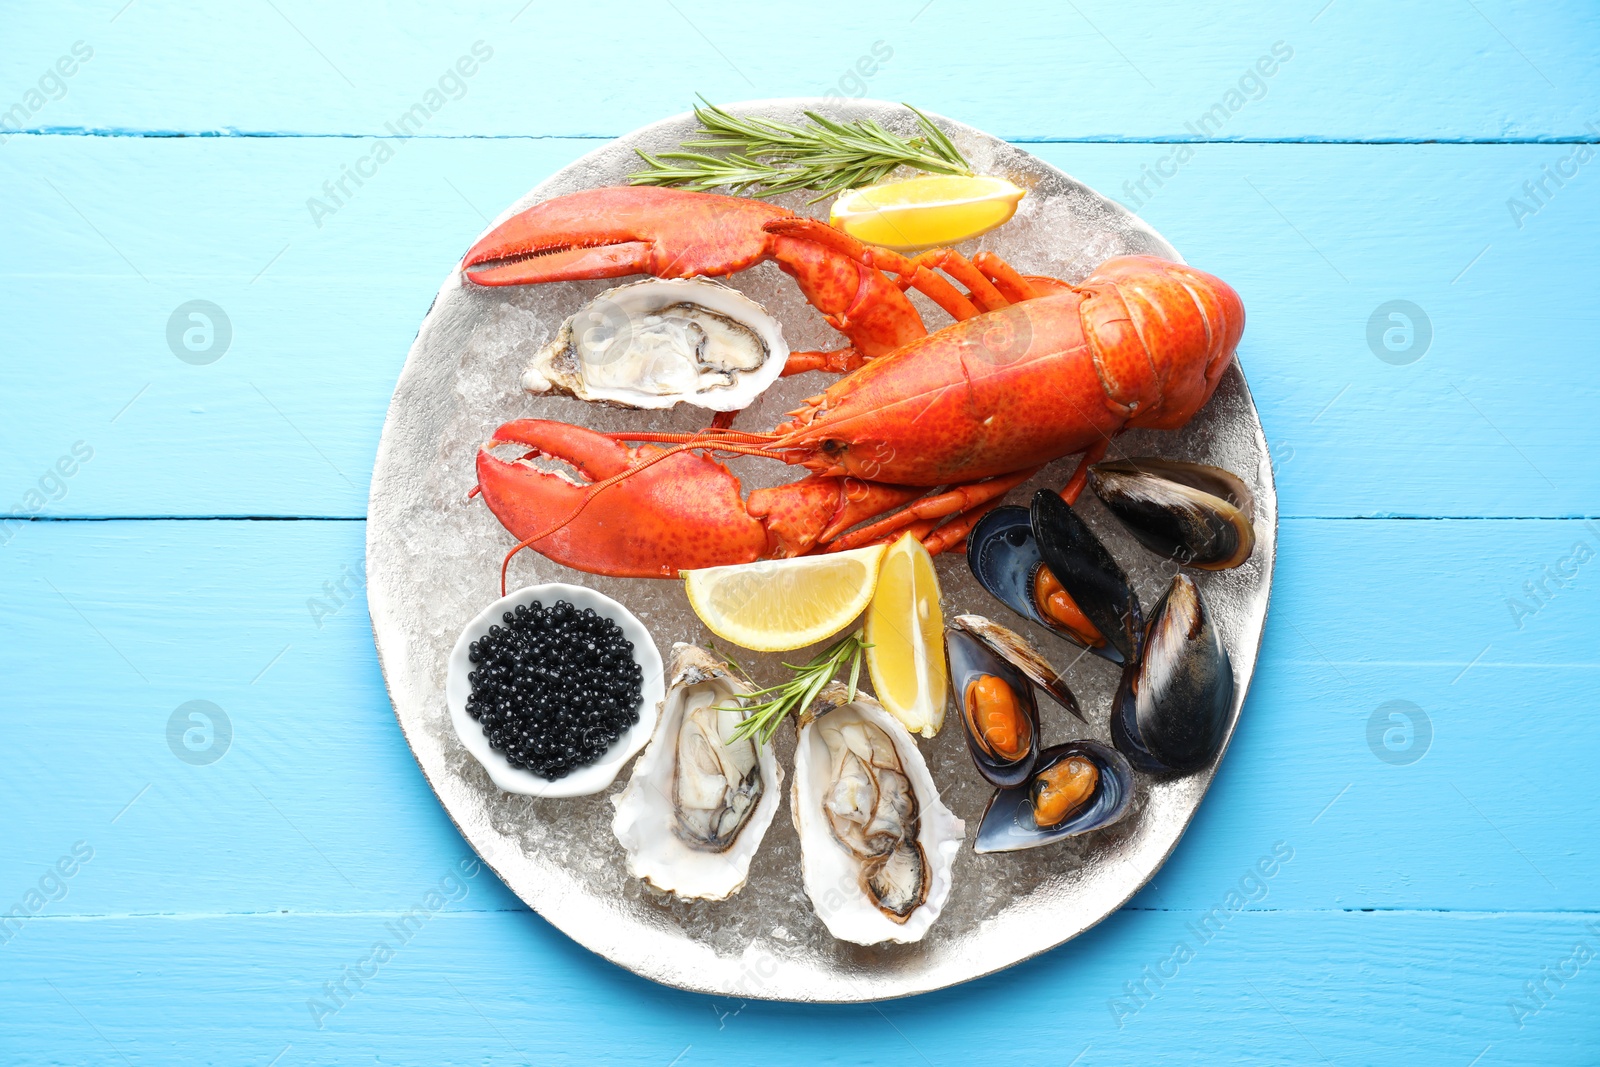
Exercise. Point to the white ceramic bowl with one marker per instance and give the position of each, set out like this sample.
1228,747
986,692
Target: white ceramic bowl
583,780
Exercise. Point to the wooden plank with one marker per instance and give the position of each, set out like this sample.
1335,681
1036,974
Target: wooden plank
221,897
1316,237
317,805
502,988
1358,69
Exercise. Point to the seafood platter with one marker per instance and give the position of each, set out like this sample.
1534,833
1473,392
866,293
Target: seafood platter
818,551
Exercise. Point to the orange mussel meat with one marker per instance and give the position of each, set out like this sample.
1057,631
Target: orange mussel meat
997,718
1056,605
1061,789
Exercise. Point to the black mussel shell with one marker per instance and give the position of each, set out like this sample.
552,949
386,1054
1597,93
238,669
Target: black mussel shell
971,659
1020,653
1173,707
1008,824
1005,558
1088,573
1197,515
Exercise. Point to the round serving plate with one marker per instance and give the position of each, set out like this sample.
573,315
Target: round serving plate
433,563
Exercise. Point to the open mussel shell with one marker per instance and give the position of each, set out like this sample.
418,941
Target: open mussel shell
1005,555
1020,653
1009,823
1171,709
1189,512
999,714
1087,572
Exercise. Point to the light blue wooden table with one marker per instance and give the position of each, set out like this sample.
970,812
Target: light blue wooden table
1422,734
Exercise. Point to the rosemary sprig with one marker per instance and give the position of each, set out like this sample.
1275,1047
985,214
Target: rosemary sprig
765,158
727,657
799,691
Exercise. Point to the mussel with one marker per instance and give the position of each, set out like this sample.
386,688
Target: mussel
1173,706
1074,788
1197,515
1045,564
999,714
1020,653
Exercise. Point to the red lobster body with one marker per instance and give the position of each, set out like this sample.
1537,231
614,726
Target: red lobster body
976,407
1142,342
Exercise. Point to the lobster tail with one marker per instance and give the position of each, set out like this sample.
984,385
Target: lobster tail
1145,319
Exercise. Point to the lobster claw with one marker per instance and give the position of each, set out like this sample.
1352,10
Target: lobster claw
679,513
620,230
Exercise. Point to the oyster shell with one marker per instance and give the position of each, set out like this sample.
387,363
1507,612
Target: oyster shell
696,807
664,341
876,843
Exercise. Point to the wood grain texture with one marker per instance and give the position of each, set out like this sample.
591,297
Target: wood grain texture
492,988
1315,237
1359,69
1441,911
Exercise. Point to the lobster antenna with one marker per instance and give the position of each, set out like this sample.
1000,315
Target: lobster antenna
711,433
595,488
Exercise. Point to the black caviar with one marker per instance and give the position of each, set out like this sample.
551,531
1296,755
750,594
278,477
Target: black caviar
554,687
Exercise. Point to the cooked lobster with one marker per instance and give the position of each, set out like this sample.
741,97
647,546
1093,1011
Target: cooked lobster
939,426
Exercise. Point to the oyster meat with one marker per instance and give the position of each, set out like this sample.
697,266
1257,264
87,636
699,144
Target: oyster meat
877,845
699,802
660,342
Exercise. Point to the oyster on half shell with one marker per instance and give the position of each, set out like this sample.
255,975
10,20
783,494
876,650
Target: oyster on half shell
699,802
876,843
664,341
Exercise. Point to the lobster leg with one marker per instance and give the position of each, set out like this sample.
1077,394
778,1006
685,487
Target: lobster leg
940,538
937,507
838,361
992,282
955,531
1005,277
1080,474
942,520
876,259
983,292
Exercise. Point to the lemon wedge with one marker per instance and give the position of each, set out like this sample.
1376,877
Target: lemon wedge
779,604
925,212
905,630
